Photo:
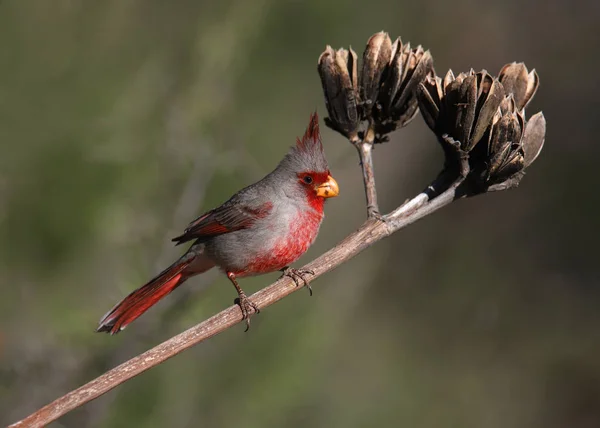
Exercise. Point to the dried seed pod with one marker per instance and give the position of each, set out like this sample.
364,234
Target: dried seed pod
490,93
518,81
429,96
533,137
375,62
461,107
505,152
464,110
505,164
397,102
487,119
513,143
338,72
448,78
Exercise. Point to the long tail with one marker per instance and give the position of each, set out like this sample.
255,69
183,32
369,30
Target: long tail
140,300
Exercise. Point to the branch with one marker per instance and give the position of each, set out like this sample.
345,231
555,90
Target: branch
440,193
372,231
365,153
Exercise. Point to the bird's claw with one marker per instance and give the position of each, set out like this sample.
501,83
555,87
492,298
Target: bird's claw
297,275
247,306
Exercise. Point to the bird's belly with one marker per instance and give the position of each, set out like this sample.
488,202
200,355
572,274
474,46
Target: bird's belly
264,255
280,256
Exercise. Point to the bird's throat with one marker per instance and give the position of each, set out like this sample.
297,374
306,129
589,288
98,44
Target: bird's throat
315,202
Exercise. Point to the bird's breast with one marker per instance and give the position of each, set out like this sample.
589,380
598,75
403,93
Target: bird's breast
301,232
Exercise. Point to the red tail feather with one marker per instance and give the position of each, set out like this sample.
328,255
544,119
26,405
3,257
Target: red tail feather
140,300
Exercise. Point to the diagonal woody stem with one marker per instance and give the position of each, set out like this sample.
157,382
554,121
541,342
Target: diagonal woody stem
448,179
365,153
372,231
442,192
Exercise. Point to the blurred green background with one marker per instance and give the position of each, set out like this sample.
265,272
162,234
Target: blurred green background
122,120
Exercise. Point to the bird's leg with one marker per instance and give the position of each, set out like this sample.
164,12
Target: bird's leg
297,275
246,304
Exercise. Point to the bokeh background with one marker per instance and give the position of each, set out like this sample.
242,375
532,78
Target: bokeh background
122,120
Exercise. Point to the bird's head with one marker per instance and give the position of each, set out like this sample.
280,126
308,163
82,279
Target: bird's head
307,167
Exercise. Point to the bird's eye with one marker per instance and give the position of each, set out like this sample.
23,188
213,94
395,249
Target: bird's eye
308,179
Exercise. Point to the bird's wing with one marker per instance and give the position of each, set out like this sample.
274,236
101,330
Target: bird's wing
227,218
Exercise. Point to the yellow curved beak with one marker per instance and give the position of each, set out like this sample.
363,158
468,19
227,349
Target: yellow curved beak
329,189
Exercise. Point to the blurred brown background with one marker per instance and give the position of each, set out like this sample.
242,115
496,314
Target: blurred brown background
122,120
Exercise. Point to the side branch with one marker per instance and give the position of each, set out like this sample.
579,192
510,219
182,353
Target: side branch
365,153
372,231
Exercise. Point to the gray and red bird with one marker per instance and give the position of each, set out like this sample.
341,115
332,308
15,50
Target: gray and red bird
262,228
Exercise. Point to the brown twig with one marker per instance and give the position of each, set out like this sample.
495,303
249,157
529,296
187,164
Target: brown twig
441,193
372,231
365,154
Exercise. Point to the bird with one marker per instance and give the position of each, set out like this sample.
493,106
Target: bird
263,228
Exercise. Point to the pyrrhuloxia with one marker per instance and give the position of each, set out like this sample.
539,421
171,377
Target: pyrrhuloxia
263,228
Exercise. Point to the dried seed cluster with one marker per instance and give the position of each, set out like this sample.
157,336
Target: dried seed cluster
483,114
486,115
383,95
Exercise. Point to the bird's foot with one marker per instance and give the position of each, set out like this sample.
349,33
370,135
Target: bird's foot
298,275
247,307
